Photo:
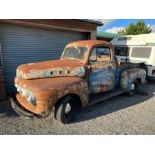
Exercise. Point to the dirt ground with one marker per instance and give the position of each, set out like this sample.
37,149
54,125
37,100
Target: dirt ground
119,115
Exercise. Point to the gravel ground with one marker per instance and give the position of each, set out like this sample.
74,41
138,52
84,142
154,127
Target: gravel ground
119,115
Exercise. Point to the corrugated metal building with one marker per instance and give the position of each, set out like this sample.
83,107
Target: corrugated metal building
25,41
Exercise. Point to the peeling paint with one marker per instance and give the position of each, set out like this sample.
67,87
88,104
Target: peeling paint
102,77
61,68
46,89
130,76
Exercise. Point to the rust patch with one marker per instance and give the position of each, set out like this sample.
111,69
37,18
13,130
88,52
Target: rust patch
129,76
48,91
88,43
102,77
55,68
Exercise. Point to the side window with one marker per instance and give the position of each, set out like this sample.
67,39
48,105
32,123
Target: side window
121,51
100,54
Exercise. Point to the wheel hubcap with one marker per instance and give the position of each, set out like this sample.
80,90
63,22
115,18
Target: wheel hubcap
68,108
133,86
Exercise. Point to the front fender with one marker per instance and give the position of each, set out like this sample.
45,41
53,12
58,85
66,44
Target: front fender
60,87
49,90
79,88
130,76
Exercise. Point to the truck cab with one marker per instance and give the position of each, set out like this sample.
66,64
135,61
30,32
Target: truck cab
86,73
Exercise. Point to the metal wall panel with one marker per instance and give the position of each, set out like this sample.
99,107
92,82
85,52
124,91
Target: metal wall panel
21,44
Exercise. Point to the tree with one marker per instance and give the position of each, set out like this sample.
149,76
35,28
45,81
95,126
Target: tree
131,29
139,28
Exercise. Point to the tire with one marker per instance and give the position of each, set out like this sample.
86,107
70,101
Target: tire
66,109
133,89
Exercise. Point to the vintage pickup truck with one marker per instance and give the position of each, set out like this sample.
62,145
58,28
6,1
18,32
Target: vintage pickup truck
86,73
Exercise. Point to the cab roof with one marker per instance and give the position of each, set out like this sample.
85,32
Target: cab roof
88,43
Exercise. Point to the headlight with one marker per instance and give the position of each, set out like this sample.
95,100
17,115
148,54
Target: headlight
31,99
29,96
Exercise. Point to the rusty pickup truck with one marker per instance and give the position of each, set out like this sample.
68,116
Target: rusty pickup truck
86,73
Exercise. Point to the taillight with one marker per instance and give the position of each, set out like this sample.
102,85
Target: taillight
153,72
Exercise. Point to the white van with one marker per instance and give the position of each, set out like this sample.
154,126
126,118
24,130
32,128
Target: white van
135,49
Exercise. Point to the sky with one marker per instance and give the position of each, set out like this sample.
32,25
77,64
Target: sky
116,25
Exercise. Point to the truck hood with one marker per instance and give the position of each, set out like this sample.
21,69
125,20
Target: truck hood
53,68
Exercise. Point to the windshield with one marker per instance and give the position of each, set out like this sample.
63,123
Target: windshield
75,52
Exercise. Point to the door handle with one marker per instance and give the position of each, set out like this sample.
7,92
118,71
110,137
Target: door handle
89,67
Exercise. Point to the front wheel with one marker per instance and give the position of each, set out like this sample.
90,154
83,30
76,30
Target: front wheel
65,109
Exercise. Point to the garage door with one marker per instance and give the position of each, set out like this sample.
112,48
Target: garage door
25,45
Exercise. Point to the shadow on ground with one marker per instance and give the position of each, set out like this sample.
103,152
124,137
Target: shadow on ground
114,104
6,109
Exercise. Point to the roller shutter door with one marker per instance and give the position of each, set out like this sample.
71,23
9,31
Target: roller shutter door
21,45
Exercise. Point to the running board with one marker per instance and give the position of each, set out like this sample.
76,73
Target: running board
95,98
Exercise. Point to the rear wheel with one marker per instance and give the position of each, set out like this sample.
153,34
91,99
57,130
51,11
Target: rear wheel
133,89
66,109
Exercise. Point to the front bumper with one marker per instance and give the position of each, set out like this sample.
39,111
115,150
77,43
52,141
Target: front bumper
20,110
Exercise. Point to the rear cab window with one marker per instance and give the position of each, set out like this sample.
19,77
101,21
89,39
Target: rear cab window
100,54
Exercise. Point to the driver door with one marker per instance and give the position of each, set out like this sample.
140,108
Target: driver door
102,70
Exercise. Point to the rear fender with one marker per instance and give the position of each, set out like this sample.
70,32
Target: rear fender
132,75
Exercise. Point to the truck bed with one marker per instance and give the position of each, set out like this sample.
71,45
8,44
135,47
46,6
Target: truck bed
123,67
128,65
